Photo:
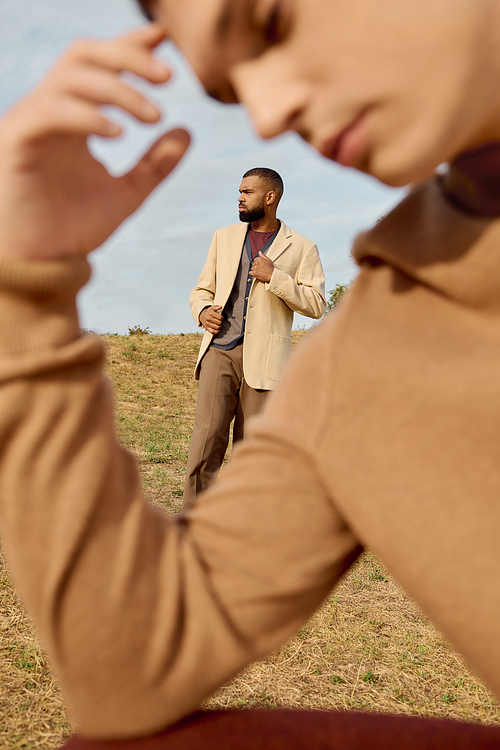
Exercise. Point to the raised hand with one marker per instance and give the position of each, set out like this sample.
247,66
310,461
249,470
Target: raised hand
56,200
262,268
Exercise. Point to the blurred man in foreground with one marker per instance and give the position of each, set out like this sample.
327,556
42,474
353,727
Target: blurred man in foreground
384,432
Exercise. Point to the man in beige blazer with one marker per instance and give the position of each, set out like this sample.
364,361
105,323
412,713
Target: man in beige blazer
257,274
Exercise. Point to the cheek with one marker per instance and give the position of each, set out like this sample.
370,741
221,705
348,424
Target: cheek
408,142
440,115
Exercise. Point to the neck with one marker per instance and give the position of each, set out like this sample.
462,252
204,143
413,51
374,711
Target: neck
266,224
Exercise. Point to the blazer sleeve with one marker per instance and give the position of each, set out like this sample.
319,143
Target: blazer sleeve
204,292
306,293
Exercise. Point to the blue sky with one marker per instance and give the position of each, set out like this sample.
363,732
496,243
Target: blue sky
144,273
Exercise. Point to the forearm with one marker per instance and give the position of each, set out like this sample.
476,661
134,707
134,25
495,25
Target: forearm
142,616
85,549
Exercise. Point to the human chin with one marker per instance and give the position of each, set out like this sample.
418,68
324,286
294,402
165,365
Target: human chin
398,172
409,156
407,148
248,216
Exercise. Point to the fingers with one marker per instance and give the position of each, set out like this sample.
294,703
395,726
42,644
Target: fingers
71,117
131,53
211,320
102,87
155,165
211,326
259,272
214,318
88,77
149,35
262,268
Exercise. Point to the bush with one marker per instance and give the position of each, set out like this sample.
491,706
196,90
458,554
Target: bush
335,295
138,331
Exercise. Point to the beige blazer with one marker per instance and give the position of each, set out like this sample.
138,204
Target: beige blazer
297,285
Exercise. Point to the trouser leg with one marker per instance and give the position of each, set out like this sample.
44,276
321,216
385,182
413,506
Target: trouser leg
308,730
250,402
220,378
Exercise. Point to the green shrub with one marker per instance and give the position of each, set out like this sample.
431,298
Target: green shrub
335,295
138,331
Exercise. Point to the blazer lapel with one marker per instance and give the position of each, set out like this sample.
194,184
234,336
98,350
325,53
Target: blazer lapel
281,243
235,246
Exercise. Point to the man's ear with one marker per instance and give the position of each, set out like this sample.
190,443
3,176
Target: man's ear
271,197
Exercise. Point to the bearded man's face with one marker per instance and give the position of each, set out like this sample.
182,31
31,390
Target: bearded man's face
252,200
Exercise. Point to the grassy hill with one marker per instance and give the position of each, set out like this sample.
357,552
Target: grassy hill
368,648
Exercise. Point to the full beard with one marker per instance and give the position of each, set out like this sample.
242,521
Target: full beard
255,215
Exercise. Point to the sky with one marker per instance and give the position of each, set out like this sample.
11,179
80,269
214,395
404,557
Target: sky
144,273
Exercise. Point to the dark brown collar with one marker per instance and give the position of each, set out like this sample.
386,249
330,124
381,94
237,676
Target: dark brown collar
472,182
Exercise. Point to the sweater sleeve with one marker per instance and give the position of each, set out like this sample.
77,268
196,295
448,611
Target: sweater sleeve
144,616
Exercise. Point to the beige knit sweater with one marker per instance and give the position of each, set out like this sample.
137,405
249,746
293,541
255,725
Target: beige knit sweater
385,433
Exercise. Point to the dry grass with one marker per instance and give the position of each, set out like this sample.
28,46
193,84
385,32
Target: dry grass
32,713
368,648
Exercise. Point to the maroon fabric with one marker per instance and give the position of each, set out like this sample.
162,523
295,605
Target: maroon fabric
258,240
474,182
307,730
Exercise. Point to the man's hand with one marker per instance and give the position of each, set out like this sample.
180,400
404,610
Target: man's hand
56,200
262,268
211,319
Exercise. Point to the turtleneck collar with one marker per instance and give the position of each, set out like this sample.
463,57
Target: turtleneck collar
472,182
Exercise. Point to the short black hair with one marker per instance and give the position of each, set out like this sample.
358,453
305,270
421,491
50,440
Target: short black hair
270,177
144,6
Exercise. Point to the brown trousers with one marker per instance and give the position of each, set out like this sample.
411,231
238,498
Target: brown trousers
307,730
223,395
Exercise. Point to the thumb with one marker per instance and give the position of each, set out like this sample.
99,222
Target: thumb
262,254
157,163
